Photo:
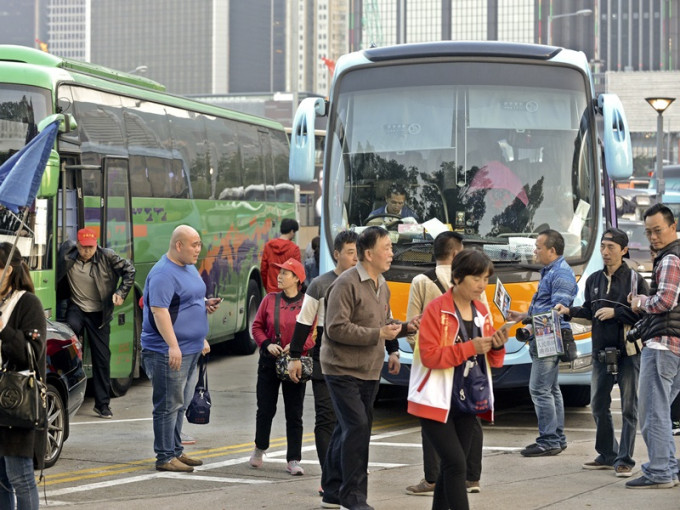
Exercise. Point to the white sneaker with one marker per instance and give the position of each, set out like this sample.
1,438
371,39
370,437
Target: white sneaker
256,458
186,438
294,468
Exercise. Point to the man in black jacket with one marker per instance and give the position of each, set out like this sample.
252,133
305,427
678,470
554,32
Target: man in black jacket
88,276
614,359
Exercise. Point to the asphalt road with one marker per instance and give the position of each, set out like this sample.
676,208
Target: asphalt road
109,464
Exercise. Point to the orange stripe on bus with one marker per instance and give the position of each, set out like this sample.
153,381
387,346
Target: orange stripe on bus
140,231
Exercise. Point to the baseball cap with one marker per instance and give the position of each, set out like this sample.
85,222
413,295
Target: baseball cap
617,236
87,237
296,267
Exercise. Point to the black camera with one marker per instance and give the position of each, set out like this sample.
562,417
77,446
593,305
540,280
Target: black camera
610,357
524,334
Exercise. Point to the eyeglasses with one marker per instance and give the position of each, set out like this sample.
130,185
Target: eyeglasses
656,232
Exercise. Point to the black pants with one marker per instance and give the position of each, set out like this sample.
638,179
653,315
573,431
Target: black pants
324,420
675,409
267,396
452,440
98,340
344,478
431,463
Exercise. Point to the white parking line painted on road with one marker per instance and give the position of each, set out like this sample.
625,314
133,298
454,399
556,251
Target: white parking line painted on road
221,479
418,445
108,422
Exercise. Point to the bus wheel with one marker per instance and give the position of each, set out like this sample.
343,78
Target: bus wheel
121,385
56,426
243,342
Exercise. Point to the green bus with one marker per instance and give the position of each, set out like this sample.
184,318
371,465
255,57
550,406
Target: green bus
133,162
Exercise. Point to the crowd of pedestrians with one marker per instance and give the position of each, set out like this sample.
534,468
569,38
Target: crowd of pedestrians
342,319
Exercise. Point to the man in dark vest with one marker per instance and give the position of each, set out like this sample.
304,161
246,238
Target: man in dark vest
660,361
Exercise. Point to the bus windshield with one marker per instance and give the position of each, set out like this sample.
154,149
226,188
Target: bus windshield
21,108
497,151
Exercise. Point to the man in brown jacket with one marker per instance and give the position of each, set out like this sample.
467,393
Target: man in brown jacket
358,328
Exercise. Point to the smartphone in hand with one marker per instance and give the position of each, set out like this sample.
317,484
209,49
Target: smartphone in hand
507,325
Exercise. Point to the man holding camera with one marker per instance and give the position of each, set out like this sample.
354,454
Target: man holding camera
660,359
556,286
614,360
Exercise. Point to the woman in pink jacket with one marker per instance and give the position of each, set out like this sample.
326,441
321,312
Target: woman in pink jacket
274,340
455,327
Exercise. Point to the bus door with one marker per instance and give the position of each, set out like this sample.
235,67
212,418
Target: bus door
116,234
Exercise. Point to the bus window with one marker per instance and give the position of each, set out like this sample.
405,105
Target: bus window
21,107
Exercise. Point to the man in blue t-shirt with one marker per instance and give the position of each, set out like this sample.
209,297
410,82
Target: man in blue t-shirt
173,337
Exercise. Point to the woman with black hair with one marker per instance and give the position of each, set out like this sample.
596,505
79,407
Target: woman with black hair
455,328
21,313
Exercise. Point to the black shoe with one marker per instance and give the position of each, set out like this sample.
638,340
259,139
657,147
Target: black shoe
563,446
539,450
103,412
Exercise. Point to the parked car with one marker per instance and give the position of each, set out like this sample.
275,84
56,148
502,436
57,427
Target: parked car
638,246
631,203
66,381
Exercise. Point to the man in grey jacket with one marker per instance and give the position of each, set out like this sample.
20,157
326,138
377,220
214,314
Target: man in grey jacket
358,329
94,280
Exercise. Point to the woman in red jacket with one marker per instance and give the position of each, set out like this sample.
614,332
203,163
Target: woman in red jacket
455,327
273,342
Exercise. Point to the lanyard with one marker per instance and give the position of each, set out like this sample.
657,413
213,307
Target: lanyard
462,330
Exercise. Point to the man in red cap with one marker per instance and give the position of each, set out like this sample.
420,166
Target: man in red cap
93,280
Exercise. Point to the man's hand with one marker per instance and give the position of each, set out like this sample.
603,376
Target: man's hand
561,309
390,331
516,316
414,324
206,347
117,300
295,370
482,344
212,304
175,357
393,364
605,314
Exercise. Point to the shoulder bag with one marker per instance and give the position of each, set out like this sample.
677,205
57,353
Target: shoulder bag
198,411
471,388
23,396
282,361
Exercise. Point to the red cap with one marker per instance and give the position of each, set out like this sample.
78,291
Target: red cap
87,237
296,267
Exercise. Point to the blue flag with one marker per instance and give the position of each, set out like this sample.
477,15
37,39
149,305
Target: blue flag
21,174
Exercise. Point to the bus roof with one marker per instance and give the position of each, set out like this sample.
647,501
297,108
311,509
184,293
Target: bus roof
45,70
461,49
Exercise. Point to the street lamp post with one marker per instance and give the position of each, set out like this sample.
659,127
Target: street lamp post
581,12
660,104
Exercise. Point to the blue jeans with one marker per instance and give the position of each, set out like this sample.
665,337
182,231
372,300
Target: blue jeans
18,480
169,390
548,403
610,452
659,384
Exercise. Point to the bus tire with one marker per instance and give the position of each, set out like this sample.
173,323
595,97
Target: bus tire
121,385
576,396
243,342
56,425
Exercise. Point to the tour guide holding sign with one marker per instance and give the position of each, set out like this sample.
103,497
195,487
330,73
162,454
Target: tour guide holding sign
556,286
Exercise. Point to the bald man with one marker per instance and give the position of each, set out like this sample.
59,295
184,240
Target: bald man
173,338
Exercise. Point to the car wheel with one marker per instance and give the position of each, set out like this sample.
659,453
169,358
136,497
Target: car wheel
56,426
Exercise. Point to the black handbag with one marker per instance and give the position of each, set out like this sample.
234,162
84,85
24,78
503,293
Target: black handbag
282,361
198,411
23,396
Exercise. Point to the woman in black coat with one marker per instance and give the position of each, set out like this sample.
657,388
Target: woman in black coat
21,312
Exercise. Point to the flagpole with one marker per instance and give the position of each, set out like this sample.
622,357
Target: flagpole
14,247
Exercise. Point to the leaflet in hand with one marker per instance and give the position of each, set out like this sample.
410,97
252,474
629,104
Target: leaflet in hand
502,299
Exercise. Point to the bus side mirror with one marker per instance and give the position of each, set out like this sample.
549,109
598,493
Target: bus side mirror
68,122
616,137
302,145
